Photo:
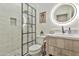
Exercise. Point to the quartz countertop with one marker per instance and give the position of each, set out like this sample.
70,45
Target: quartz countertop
68,36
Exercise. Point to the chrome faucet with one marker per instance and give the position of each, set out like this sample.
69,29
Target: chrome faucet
69,30
63,31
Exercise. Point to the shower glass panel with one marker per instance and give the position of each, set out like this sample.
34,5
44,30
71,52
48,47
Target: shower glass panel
29,27
24,48
24,38
30,19
33,20
29,37
24,28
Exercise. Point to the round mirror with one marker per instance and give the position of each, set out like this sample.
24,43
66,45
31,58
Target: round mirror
63,14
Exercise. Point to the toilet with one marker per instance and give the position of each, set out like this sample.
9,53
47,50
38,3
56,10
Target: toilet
35,50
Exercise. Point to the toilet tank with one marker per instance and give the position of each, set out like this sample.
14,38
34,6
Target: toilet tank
40,39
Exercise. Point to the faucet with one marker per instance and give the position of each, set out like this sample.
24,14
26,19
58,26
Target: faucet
69,30
63,30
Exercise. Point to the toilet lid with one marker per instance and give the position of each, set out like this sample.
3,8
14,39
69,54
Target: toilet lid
34,47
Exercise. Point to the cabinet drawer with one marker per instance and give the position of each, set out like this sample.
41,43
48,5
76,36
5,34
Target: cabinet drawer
76,46
60,43
75,53
68,44
67,52
51,50
57,52
52,42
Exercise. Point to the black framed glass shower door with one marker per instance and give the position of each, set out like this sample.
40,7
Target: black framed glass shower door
28,27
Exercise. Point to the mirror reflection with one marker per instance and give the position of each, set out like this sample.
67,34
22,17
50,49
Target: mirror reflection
64,13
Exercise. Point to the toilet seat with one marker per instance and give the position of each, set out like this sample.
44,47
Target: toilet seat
35,50
35,47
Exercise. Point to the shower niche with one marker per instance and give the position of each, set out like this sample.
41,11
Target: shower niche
28,27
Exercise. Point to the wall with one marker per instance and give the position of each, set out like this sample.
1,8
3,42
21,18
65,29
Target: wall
46,27
10,35
49,26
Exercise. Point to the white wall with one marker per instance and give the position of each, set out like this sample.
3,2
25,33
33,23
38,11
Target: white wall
10,35
49,26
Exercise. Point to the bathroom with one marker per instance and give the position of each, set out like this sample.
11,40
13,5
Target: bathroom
24,32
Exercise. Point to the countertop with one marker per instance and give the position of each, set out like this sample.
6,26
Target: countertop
68,36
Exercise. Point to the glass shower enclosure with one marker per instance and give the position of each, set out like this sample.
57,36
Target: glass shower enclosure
28,28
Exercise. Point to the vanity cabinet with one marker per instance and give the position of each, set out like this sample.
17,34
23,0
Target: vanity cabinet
58,46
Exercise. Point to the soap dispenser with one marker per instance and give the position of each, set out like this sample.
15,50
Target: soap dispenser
41,33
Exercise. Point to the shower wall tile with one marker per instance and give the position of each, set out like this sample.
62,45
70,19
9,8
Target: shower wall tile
10,36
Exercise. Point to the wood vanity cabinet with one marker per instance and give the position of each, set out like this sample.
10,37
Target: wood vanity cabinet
58,46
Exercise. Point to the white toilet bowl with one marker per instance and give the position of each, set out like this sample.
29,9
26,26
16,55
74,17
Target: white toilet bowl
35,50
